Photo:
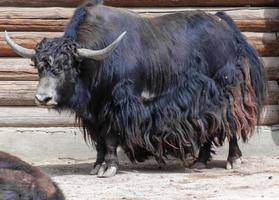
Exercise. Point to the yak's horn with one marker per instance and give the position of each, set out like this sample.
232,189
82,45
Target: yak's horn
103,53
24,52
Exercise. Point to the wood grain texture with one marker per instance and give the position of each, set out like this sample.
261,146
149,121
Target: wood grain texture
55,19
33,117
41,117
273,93
270,115
21,93
265,43
17,69
20,69
26,39
142,3
17,93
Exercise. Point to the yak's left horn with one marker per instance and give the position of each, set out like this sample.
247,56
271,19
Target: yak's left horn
103,53
24,52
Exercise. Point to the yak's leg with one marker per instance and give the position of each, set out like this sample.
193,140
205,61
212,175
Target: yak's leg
204,157
234,157
101,151
110,165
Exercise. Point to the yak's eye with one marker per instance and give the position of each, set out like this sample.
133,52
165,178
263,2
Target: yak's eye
55,71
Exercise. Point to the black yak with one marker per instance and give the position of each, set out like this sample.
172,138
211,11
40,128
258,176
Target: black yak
177,84
21,181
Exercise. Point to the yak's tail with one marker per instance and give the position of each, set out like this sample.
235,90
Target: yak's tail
254,92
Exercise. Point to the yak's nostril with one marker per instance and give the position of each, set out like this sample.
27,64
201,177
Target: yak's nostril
43,99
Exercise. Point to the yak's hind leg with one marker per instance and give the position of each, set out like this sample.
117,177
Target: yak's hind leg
110,165
234,158
204,157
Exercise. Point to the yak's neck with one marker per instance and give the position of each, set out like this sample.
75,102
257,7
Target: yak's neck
79,102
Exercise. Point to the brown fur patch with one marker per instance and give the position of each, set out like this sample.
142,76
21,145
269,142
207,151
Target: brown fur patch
244,107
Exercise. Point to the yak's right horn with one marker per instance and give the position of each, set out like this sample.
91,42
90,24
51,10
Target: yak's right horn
24,52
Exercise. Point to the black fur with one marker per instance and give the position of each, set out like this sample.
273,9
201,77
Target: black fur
207,83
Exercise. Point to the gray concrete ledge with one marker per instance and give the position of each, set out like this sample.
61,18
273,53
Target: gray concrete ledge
66,146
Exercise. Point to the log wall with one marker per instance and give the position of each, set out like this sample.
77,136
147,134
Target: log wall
29,21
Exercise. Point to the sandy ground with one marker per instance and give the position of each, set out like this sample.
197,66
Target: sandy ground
258,178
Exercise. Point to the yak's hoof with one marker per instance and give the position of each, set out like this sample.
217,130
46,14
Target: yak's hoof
107,171
198,165
96,169
234,163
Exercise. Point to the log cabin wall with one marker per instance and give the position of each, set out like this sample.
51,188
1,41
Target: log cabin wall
28,21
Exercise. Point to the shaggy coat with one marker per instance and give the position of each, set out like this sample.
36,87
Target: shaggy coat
175,84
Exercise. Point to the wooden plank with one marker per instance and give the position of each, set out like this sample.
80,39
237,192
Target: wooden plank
21,93
19,69
17,93
270,115
26,39
266,43
41,117
273,93
143,3
272,67
54,19
33,117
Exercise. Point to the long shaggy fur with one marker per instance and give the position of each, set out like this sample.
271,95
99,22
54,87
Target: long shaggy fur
205,82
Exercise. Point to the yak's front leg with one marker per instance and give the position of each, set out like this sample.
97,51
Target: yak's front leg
204,156
110,165
101,151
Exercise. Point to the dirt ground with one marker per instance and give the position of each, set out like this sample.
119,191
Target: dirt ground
258,178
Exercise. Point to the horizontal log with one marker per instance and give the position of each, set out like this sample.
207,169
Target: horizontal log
16,69
26,39
266,43
19,69
41,117
142,3
273,93
17,93
21,93
54,19
271,65
270,115
33,117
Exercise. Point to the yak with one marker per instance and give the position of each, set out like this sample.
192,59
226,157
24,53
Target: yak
21,181
173,85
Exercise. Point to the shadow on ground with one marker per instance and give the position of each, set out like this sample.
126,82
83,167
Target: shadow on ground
148,167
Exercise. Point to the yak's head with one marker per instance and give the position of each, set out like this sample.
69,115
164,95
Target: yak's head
57,61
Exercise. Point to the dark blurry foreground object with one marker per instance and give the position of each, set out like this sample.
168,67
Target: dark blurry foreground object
21,181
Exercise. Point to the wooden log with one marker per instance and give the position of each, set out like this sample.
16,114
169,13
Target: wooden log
19,69
17,93
272,68
59,25
54,19
42,117
26,39
273,93
21,93
266,43
270,115
140,3
33,117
